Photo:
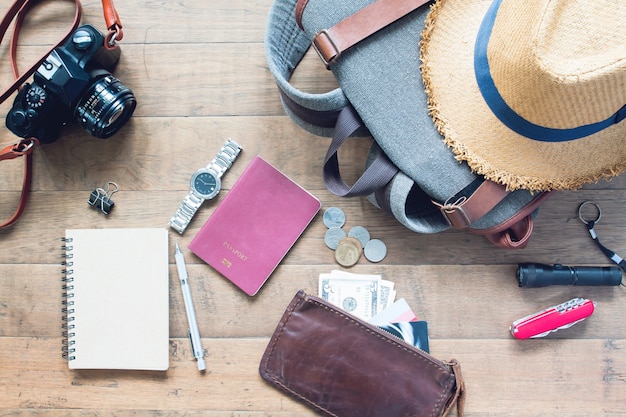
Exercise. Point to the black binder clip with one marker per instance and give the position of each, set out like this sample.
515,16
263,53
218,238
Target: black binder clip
101,198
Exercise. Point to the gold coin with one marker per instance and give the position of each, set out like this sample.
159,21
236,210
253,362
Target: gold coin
348,251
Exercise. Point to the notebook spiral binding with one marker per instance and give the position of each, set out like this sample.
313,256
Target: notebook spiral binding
67,309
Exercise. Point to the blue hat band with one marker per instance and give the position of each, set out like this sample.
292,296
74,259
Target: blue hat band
506,114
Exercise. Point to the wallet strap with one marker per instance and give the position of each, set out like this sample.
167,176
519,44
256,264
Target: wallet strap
459,394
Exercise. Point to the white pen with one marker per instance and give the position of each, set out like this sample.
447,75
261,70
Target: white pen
194,333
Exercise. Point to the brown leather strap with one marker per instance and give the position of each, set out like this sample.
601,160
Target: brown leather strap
113,22
516,236
331,43
514,233
24,148
17,12
459,394
300,6
462,213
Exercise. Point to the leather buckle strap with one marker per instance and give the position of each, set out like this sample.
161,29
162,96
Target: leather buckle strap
462,213
325,47
331,43
514,232
455,214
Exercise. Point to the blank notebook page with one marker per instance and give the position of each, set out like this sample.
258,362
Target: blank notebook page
117,299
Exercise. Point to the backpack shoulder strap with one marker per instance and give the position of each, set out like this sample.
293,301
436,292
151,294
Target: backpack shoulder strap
331,43
285,46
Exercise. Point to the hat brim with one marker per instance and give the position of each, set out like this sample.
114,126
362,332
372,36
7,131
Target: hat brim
475,134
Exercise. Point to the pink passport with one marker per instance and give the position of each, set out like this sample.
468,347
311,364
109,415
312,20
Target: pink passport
255,225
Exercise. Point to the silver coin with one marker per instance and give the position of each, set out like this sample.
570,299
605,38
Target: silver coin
333,236
361,233
375,250
334,217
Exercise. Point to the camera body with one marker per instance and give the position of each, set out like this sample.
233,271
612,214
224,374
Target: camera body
73,82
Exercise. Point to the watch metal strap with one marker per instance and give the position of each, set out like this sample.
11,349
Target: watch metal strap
224,158
190,205
185,212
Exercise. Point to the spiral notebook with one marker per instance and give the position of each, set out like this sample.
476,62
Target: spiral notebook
116,299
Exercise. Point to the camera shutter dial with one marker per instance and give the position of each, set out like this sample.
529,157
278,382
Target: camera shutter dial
35,97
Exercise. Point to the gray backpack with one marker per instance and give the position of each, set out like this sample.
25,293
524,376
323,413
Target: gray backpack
410,173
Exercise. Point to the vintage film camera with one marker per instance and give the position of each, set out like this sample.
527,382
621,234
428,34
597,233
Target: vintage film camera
73,82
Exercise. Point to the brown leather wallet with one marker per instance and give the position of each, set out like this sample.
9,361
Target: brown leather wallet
342,366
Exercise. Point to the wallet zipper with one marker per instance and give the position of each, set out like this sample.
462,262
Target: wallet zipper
379,331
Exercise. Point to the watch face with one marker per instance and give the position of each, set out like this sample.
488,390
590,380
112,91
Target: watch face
205,184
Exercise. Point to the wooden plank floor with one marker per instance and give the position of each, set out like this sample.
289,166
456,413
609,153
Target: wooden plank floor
199,72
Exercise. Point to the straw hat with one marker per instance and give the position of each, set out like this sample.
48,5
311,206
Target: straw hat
530,93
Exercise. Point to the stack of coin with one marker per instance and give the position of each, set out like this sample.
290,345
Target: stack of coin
349,247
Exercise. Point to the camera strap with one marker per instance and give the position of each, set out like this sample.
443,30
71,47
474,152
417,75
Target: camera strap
26,146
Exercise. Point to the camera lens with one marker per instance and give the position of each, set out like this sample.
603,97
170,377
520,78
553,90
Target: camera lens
106,107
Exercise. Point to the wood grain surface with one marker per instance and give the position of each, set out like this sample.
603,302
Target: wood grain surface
199,72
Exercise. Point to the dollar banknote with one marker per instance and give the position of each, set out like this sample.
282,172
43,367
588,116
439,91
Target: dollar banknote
358,294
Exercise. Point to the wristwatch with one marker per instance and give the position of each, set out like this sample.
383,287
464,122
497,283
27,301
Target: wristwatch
205,185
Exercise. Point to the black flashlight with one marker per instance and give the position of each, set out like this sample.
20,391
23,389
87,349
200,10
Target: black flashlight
533,275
